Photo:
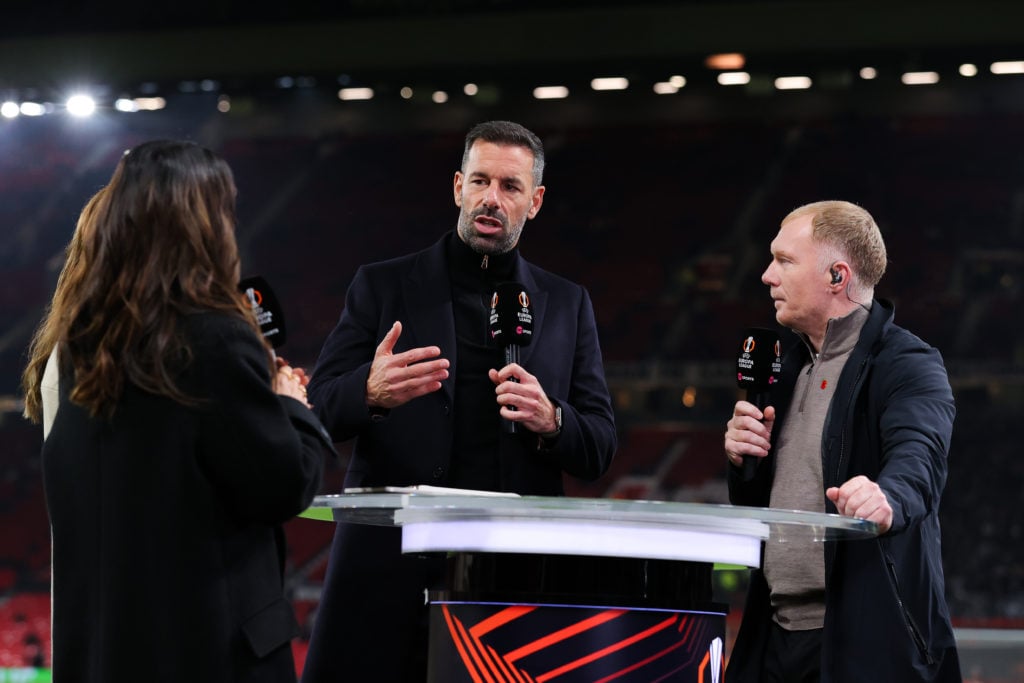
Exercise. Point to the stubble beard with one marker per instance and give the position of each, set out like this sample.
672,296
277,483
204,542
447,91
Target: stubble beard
487,245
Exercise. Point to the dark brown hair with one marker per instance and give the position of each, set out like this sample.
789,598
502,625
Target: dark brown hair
155,243
507,133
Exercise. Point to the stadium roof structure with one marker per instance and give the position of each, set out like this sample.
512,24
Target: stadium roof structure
47,45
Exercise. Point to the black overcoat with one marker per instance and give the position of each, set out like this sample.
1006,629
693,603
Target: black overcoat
370,622
168,553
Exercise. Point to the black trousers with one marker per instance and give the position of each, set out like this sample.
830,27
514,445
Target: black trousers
792,656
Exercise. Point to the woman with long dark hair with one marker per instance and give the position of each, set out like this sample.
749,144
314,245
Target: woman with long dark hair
177,447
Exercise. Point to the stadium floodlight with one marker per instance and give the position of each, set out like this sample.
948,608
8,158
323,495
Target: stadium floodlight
81,105
610,83
671,86
126,104
150,103
349,94
1000,68
551,92
726,61
9,110
733,78
920,78
32,109
439,97
471,89
793,83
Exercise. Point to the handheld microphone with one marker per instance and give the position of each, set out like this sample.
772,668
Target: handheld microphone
511,325
265,307
758,367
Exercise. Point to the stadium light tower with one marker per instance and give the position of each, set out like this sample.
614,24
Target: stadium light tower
81,105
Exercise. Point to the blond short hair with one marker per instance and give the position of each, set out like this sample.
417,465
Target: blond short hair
848,232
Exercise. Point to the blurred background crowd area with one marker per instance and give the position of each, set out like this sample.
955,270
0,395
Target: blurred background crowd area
662,204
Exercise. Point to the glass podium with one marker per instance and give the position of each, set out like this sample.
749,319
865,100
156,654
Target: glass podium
577,589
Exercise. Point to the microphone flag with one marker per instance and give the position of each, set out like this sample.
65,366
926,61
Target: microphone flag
266,308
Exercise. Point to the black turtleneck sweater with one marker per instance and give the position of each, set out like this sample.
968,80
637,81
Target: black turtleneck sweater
474,463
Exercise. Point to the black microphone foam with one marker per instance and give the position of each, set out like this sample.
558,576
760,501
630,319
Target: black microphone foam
758,367
266,308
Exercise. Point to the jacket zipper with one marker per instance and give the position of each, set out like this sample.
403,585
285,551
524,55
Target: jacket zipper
909,620
807,387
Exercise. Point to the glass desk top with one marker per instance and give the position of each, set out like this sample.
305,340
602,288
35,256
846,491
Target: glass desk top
436,519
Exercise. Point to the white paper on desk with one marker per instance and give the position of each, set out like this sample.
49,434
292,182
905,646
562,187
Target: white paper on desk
431,491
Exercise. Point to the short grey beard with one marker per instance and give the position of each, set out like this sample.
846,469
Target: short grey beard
482,246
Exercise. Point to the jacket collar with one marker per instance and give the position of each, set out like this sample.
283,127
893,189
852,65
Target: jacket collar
428,295
881,314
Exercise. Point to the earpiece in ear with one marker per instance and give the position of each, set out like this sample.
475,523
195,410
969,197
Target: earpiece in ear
837,277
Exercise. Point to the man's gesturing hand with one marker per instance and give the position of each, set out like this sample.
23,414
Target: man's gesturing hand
397,378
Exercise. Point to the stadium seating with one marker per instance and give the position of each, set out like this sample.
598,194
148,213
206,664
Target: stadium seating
666,225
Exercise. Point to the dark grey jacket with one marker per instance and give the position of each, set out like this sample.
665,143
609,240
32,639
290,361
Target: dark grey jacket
891,420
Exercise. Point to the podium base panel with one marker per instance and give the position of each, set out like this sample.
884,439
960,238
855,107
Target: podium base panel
472,642
574,619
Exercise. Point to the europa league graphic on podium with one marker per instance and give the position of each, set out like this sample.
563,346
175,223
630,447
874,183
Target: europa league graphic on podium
572,644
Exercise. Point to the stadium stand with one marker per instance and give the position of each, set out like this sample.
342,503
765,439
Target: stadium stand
666,225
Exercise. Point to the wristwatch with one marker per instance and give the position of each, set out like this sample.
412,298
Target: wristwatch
378,414
550,436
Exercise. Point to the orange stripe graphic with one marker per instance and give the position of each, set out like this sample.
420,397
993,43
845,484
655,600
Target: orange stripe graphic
637,665
607,650
453,630
499,619
567,632
491,659
510,672
471,646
